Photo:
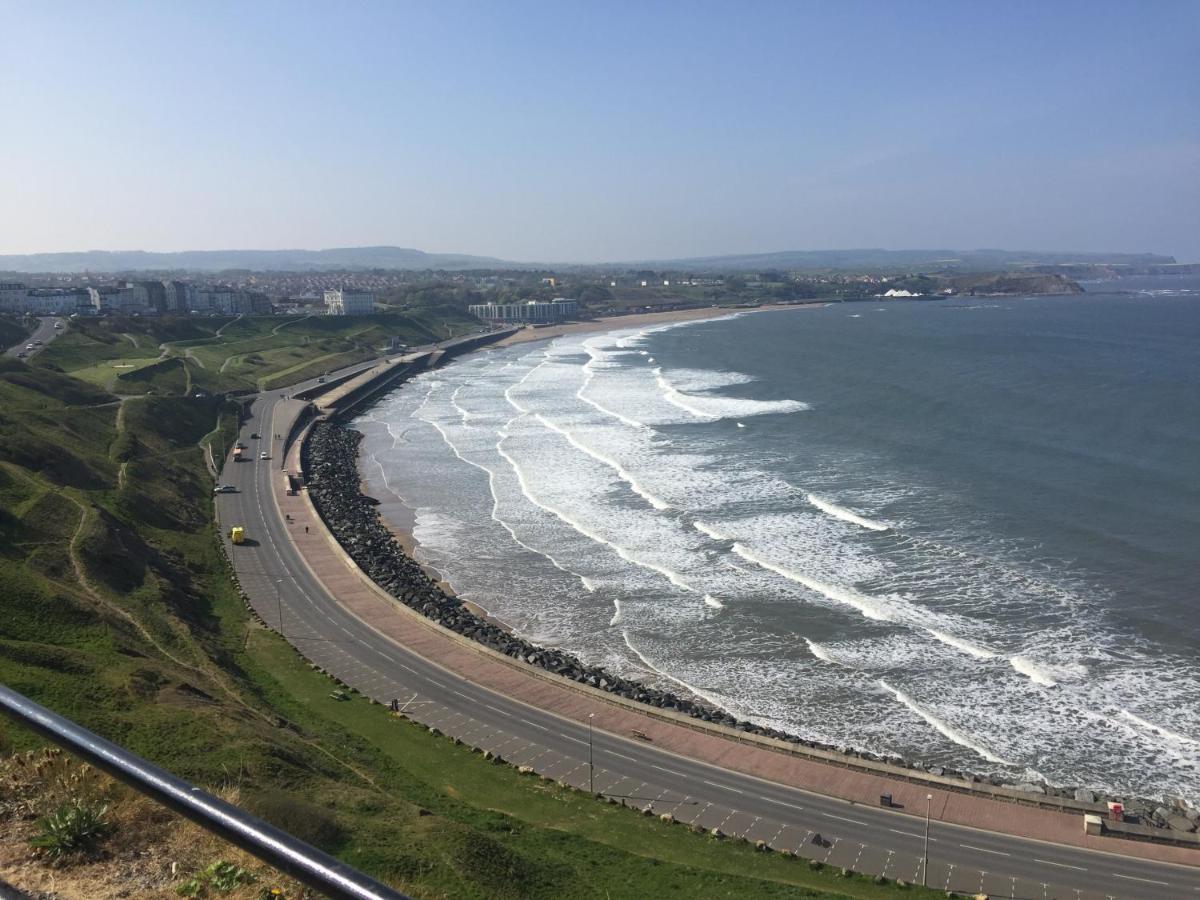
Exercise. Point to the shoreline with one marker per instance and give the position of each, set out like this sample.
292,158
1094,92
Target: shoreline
658,680
401,519
632,320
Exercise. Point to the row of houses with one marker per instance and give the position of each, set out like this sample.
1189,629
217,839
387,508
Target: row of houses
132,297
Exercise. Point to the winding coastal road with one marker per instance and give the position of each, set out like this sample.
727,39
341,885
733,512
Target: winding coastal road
295,592
46,332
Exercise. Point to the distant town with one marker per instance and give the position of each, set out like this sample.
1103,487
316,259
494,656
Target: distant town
503,296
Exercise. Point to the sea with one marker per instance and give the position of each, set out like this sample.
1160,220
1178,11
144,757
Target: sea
963,531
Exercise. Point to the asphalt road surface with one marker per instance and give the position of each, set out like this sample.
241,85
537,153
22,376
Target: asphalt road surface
867,839
46,332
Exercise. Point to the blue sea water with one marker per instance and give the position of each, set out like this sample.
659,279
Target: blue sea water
964,531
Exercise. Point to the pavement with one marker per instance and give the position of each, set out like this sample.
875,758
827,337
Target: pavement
46,332
302,584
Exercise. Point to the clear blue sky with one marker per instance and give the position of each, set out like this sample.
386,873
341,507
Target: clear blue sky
601,131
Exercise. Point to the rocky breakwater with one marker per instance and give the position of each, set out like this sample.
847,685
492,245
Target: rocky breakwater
333,486
330,462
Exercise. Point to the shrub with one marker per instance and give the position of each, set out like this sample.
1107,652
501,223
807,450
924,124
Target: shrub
72,828
221,877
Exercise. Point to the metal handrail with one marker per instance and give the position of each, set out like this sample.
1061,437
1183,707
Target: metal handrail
279,849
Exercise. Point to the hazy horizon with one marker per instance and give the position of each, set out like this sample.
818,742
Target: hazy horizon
538,133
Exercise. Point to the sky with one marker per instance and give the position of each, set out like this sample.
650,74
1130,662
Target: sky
568,131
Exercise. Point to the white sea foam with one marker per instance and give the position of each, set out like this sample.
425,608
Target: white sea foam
966,646
715,701
712,406
616,611
709,530
712,602
495,497
622,473
868,606
589,373
820,652
1158,729
624,552
846,515
1032,671
944,728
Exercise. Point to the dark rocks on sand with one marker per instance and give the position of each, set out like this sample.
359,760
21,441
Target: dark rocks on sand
334,487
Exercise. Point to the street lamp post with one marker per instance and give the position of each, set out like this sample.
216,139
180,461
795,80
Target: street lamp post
279,604
925,862
591,766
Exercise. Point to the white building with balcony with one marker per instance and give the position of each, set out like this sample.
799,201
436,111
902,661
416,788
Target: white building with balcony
349,303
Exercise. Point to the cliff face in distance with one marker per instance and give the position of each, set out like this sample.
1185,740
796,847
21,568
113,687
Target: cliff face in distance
992,283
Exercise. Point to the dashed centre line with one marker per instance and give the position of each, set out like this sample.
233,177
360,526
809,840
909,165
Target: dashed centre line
984,850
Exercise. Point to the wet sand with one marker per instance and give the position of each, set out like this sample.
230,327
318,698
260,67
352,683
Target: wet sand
612,323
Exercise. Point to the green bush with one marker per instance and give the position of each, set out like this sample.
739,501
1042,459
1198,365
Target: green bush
221,877
72,828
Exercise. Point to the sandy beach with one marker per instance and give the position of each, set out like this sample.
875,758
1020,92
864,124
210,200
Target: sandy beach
611,323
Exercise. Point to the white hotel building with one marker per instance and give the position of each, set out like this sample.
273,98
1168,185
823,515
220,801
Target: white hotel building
349,303
538,312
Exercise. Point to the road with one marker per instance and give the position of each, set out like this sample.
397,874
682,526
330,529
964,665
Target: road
46,332
868,839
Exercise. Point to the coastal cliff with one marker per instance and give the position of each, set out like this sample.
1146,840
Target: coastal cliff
1012,283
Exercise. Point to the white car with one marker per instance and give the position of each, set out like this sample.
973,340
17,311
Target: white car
263,455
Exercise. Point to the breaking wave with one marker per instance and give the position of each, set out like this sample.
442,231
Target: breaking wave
846,515
944,728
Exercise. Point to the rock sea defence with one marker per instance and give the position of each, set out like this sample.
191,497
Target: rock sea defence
330,465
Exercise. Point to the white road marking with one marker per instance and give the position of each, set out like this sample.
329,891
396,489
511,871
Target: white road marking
1135,878
843,819
722,786
779,802
932,840
668,771
984,850
1060,865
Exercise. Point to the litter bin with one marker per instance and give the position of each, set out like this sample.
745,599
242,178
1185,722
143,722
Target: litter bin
885,799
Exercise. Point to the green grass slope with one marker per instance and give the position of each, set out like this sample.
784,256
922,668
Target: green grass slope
13,329
174,355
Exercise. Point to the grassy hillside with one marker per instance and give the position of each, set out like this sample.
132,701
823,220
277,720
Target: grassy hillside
12,330
118,612
177,354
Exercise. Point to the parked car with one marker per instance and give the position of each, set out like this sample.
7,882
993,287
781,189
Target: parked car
224,489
